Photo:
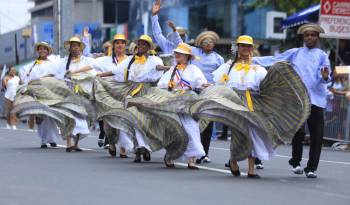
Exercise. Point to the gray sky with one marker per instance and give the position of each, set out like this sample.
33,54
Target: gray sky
14,14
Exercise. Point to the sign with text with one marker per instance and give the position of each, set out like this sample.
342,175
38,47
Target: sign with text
335,18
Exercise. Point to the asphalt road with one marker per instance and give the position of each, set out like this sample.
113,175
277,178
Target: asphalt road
33,176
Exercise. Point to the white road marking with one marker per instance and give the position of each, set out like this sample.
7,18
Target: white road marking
285,156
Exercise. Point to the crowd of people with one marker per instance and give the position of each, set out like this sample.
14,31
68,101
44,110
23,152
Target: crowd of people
145,103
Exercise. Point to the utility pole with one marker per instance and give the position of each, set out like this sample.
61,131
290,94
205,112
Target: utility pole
63,16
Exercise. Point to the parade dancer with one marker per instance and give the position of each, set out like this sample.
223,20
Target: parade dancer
104,66
42,67
243,76
76,64
185,77
312,65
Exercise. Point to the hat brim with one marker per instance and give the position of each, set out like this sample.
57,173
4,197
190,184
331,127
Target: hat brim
245,43
206,35
125,40
45,45
310,27
67,44
193,57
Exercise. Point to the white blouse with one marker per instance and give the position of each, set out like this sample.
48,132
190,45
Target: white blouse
75,65
146,72
191,76
30,72
105,64
240,79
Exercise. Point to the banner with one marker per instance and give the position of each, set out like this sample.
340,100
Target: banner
335,18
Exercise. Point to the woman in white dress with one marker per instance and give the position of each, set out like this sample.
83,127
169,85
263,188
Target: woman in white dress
245,77
10,82
181,78
140,69
42,67
76,65
104,66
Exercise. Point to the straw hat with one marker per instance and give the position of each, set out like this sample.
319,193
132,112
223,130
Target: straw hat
310,27
120,37
76,40
248,40
46,45
184,49
181,30
148,39
206,35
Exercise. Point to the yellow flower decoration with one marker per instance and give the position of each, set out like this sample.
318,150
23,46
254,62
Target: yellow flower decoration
181,66
38,62
224,78
140,59
242,66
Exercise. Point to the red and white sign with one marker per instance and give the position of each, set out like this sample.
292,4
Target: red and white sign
335,18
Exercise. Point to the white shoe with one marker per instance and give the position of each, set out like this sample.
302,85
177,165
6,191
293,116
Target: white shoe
14,127
259,166
206,160
311,175
8,126
297,170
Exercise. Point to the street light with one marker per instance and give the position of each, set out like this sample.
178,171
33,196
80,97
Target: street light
26,33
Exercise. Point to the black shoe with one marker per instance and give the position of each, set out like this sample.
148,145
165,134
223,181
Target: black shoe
171,165
236,173
253,176
43,146
227,164
199,161
146,155
100,142
137,156
113,153
69,149
53,144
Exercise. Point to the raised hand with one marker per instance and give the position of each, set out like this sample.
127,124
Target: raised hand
156,7
325,73
86,32
171,25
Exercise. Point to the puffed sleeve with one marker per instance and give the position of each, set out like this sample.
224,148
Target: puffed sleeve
164,80
260,74
218,73
199,77
154,74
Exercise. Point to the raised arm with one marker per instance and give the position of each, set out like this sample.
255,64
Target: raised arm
267,61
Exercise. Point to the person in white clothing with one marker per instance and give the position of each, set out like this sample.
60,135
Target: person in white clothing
42,67
243,76
104,66
76,64
180,78
10,83
140,68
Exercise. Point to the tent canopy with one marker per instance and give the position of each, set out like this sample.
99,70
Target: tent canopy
307,15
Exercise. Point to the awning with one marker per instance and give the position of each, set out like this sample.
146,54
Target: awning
307,15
